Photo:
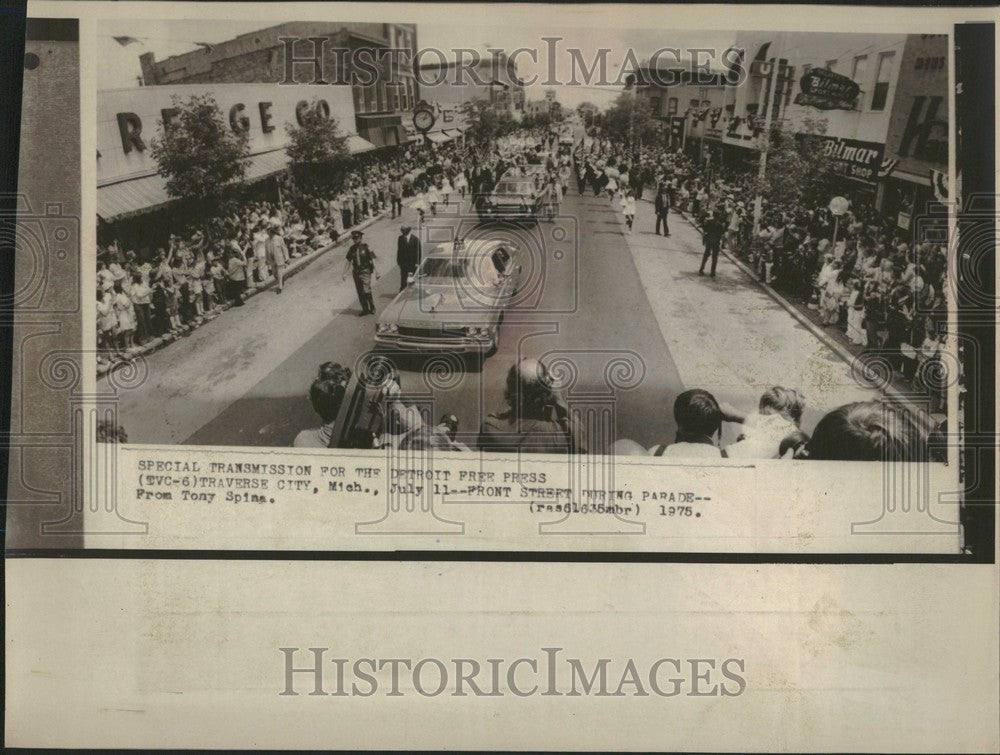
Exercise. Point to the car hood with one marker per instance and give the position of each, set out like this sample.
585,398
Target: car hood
423,304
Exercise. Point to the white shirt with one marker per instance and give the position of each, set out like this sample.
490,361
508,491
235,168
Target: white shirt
689,451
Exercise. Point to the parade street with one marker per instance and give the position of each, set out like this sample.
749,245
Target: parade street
607,297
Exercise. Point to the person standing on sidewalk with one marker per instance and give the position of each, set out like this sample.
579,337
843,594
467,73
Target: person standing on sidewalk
277,255
712,234
407,255
361,263
662,206
396,196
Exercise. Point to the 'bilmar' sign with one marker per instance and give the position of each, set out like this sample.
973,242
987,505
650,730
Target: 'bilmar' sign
827,90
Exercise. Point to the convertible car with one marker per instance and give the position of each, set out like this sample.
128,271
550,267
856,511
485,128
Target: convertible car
513,198
455,301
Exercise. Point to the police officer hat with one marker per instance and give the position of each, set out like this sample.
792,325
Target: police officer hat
356,234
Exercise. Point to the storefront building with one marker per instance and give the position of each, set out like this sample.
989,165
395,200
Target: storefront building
841,88
917,142
381,110
128,120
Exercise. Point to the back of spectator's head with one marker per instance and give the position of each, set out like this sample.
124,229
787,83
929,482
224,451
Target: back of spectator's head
528,386
794,442
870,431
427,438
697,413
334,371
787,402
326,396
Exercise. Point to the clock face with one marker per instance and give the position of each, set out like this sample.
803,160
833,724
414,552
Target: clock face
423,119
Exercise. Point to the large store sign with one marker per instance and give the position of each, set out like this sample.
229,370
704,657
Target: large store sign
826,90
128,120
853,158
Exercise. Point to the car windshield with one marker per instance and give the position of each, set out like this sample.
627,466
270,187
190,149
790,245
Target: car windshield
514,187
444,267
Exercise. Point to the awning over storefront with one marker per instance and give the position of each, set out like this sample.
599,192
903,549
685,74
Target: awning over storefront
129,197
356,144
438,137
915,178
149,192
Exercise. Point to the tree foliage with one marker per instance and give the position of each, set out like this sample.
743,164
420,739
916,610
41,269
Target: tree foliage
199,155
316,148
628,118
797,169
483,122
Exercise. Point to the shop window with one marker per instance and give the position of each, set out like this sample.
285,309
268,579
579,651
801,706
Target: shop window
672,106
880,94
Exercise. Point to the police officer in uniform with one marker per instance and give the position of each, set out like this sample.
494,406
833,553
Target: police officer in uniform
361,263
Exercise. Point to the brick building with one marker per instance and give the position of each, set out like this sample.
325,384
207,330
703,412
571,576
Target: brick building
380,110
495,79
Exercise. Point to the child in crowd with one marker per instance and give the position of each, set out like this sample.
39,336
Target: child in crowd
778,416
628,208
125,312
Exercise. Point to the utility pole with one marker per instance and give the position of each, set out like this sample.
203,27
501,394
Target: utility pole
772,100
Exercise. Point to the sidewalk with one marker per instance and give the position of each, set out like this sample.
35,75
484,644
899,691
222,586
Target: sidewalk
293,267
734,339
898,388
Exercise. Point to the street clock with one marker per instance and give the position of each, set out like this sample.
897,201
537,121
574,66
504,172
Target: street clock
423,119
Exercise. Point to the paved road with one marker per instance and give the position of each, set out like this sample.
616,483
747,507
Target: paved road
626,314
572,313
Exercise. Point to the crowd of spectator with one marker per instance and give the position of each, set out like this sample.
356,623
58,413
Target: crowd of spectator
861,273
535,417
163,291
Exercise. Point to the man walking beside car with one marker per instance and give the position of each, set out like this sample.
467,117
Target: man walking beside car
407,255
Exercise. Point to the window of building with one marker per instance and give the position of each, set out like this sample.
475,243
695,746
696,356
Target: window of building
860,66
881,91
672,106
654,105
359,99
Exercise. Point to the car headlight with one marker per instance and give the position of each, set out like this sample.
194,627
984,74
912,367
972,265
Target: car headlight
386,327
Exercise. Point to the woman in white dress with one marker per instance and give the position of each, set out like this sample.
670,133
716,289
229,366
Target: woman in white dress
433,196
830,298
445,190
611,187
856,314
420,205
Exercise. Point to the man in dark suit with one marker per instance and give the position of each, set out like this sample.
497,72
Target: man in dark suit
407,254
712,233
662,207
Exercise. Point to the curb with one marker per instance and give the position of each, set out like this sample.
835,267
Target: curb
845,354
291,269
